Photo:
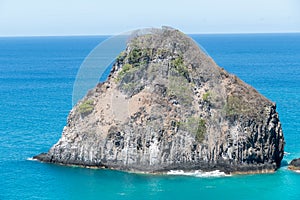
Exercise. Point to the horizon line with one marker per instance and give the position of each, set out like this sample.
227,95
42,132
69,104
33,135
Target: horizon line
192,33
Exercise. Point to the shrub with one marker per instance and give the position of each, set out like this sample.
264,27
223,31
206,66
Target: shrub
121,56
179,66
135,55
206,96
196,126
86,107
201,130
125,69
138,56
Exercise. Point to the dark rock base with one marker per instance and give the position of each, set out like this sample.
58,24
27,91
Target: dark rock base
223,166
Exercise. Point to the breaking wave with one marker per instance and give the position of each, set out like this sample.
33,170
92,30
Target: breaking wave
198,173
31,159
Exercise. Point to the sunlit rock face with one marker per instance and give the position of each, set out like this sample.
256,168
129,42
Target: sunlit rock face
166,105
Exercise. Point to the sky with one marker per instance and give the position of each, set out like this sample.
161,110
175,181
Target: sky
110,17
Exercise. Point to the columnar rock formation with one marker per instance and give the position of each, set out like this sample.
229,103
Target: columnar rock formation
166,105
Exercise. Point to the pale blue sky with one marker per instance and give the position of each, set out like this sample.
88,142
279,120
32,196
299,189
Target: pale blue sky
98,17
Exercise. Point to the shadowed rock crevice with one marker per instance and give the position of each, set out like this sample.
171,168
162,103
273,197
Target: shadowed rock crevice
166,105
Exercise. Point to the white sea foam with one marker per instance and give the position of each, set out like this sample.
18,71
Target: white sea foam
198,173
31,159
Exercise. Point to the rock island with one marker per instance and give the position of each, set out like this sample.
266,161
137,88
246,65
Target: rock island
166,105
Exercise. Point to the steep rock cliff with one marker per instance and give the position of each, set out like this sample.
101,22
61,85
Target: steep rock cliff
166,105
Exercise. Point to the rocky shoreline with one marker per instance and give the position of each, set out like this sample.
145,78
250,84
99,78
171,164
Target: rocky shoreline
204,167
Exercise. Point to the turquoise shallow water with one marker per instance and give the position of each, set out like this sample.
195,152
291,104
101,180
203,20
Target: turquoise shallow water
36,81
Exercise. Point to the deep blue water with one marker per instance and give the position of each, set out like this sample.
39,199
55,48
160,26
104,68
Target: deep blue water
36,82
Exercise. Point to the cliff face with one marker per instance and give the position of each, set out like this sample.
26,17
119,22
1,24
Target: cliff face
166,105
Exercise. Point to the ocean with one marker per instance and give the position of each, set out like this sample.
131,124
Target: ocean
36,82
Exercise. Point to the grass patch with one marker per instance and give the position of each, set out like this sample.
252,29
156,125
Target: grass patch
162,52
129,86
235,106
179,88
125,69
86,107
201,130
196,126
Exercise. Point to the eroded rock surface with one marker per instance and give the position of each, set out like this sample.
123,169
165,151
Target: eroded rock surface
295,164
166,105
